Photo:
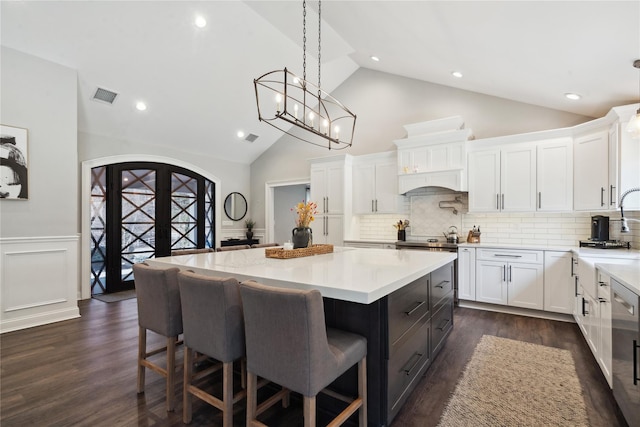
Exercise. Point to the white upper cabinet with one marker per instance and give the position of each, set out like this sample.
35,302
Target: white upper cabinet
375,184
624,167
591,172
503,180
484,181
555,175
327,186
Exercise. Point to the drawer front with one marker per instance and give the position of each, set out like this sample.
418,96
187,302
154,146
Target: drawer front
406,307
508,255
446,300
441,284
407,365
441,325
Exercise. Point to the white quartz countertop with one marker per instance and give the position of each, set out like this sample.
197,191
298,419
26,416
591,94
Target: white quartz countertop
349,274
628,275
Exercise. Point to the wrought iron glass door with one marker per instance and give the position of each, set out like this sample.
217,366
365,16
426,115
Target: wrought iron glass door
141,210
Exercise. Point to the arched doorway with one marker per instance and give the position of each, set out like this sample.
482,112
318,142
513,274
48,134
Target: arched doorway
141,210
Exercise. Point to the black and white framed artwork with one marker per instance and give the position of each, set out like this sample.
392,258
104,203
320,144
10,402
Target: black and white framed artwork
13,163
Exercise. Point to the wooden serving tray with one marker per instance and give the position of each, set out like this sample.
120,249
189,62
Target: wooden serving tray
282,253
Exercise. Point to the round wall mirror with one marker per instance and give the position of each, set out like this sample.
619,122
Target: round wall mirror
235,206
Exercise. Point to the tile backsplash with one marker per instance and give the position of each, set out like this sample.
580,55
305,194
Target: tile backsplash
430,211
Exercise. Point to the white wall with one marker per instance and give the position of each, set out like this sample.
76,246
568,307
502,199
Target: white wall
42,97
39,236
384,103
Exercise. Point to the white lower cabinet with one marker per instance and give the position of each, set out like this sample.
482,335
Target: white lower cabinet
328,229
559,292
467,274
605,349
510,277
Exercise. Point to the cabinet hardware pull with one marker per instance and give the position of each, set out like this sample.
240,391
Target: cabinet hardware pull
539,199
440,285
410,312
502,201
576,286
635,362
372,206
504,273
376,205
446,321
327,204
584,310
601,300
572,262
507,256
510,274
497,202
408,371
611,200
603,283
601,196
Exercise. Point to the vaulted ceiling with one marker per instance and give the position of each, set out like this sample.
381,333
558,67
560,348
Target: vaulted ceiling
198,82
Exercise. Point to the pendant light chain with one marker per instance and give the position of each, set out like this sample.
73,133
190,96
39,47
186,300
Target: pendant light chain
319,39
304,40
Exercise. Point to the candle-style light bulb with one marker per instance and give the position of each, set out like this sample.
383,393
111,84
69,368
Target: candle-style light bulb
336,130
295,111
278,101
311,117
325,126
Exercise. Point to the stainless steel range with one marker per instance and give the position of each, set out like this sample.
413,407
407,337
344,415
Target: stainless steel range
436,245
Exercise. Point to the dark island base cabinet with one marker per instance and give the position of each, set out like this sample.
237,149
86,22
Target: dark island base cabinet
404,331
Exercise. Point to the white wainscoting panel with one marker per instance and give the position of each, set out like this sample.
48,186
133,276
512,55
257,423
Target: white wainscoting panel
39,281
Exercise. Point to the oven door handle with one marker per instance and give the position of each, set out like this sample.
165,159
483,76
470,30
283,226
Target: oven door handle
635,362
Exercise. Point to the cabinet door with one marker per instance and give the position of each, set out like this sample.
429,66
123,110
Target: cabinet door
491,282
364,187
518,179
592,324
559,292
334,230
467,274
555,176
525,285
317,189
386,184
614,167
591,172
605,345
484,181
335,188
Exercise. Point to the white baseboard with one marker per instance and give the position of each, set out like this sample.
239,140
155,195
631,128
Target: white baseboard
516,310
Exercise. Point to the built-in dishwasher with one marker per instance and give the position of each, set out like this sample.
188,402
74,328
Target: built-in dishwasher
626,344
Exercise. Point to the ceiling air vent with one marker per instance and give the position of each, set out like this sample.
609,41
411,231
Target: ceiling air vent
251,137
104,95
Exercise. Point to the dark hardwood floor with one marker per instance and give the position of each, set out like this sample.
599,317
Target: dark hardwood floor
82,372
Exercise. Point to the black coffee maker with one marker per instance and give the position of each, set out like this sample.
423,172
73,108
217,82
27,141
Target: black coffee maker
600,228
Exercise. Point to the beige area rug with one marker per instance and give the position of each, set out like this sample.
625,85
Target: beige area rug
514,383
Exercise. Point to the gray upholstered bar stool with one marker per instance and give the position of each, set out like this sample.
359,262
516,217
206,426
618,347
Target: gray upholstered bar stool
159,310
288,343
214,327
232,248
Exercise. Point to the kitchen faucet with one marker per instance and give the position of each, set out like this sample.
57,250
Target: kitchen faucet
625,227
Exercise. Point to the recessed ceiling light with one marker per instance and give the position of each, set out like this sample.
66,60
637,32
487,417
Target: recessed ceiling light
457,74
240,134
200,22
572,96
375,58
141,106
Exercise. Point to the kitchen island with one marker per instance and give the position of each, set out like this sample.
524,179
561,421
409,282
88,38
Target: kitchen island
401,301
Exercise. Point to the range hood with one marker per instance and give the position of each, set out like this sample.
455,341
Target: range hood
434,154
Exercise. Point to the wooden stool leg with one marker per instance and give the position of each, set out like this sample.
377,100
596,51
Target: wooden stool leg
171,372
309,410
362,391
186,394
252,398
227,394
142,354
